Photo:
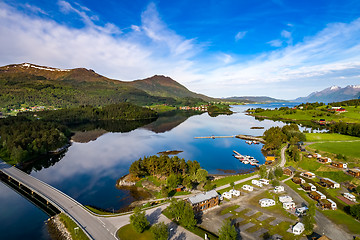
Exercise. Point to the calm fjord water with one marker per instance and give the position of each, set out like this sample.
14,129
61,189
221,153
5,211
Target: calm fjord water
88,171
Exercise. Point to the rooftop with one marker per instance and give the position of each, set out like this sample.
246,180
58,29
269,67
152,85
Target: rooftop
203,197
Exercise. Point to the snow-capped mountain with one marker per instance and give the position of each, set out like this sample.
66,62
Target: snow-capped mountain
333,94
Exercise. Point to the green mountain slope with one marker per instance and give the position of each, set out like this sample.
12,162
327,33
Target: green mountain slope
29,84
163,86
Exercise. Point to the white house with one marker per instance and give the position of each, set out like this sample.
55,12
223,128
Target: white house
284,199
226,195
256,182
234,192
266,202
248,188
264,181
313,187
350,197
289,205
322,196
279,189
298,228
333,204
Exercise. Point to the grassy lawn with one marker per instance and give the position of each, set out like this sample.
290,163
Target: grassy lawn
310,164
328,137
350,149
70,226
233,178
127,232
97,211
338,176
341,218
229,209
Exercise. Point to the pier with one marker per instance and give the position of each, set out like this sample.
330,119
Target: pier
213,137
251,138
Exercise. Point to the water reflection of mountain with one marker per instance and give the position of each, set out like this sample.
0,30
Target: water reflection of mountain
41,162
90,131
170,120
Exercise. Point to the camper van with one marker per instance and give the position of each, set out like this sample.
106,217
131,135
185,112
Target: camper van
256,182
248,188
264,181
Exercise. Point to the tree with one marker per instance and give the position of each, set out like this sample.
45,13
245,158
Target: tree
232,184
182,212
138,220
201,175
275,182
263,171
355,211
278,172
173,181
227,231
309,219
160,231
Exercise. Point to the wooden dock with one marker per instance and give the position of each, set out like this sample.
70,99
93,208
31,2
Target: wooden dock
252,138
213,137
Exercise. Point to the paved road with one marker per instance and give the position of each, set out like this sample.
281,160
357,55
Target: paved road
91,224
283,159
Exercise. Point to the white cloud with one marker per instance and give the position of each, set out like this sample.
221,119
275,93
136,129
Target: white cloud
275,43
240,35
153,48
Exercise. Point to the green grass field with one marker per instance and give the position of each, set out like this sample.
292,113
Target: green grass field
127,232
350,149
351,116
328,137
233,178
71,226
344,220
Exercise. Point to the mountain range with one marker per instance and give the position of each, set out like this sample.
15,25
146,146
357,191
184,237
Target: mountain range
32,84
254,99
332,94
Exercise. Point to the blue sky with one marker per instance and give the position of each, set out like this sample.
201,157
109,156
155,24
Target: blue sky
279,48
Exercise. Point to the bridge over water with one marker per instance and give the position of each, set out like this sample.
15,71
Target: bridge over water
94,227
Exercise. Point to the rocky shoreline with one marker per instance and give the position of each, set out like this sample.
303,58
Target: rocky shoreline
57,229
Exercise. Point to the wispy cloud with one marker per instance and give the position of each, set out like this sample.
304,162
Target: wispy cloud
152,47
240,35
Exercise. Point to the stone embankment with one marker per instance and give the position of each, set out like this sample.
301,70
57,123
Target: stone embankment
251,138
125,181
57,229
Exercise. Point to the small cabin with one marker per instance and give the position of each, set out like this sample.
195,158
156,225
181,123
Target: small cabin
308,174
354,172
279,189
289,171
289,205
350,197
308,187
284,199
324,159
298,180
204,201
339,164
248,188
316,195
266,202
325,203
298,228
179,188
270,157
327,182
